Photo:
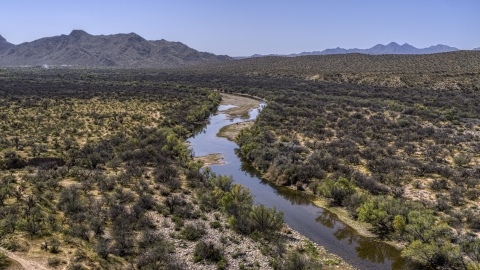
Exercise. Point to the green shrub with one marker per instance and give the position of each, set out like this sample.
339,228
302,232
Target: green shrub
193,232
54,246
178,222
11,244
310,249
4,261
222,264
54,262
215,224
337,190
403,122
297,261
267,219
207,251
462,160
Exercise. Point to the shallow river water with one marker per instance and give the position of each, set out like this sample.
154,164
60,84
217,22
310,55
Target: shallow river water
317,224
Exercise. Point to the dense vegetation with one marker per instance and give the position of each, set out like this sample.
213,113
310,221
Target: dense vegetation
451,62
392,139
91,161
402,156
458,70
77,161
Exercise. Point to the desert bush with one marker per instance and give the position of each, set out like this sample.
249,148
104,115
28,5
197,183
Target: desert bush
54,245
215,224
4,261
54,262
462,160
192,232
338,190
70,200
207,251
298,261
438,185
102,247
266,219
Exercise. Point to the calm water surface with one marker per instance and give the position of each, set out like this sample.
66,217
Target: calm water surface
318,224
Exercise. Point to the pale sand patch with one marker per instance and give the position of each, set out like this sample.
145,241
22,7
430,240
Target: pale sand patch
243,104
231,131
210,159
67,182
26,264
420,194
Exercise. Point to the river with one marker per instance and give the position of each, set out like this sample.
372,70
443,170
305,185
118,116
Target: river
318,224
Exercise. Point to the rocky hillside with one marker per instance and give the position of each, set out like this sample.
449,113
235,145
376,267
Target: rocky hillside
4,45
80,49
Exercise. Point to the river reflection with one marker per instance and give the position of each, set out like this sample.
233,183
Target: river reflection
318,224
367,248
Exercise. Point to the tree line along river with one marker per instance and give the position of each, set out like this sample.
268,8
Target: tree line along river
300,213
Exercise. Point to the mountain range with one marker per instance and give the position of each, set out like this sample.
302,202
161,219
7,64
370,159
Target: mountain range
80,49
391,48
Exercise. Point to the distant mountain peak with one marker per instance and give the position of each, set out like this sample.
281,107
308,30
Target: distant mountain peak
134,37
2,38
407,45
391,44
78,33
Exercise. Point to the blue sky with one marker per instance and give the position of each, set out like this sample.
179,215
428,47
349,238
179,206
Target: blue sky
246,27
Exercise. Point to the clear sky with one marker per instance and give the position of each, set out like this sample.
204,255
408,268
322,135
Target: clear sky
246,27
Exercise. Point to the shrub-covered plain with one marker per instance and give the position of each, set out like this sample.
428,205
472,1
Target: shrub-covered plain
95,171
